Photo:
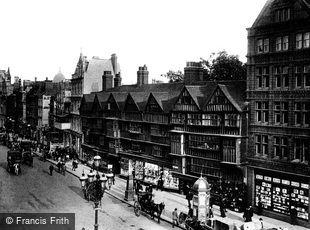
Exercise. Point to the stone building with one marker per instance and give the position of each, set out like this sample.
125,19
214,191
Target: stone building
92,75
278,91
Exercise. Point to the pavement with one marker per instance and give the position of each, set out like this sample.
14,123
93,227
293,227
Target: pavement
174,200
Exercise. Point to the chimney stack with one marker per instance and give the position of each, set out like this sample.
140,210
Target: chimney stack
117,80
114,63
107,80
142,76
193,73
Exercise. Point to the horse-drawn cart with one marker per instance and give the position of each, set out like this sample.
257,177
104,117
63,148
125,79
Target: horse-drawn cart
147,205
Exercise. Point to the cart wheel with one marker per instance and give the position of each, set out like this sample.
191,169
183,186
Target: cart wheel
137,208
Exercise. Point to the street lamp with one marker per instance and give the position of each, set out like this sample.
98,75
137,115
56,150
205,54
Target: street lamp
97,160
110,178
93,189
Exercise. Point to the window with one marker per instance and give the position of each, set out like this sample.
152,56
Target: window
262,77
301,150
281,112
262,111
232,120
298,41
306,77
204,142
261,145
211,119
298,76
263,45
302,113
194,119
281,76
280,147
282,43
135,128
303,40
157,151
282,15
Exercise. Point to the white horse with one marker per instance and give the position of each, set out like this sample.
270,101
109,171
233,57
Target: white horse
16,169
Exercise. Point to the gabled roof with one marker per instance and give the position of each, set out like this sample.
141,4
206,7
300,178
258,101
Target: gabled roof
87,101
120,98
140,98
103,98
159,98
265,16
234,92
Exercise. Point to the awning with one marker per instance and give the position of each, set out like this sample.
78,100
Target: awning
147,158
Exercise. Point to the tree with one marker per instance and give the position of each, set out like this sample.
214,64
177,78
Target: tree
174,76
226,67
220,66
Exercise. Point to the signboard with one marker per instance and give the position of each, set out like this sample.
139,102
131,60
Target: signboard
110,166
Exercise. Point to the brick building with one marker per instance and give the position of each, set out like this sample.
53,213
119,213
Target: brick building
278,90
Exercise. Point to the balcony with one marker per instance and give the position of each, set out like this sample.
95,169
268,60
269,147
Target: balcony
62,126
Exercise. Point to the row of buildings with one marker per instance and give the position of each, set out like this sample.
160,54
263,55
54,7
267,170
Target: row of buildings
254,132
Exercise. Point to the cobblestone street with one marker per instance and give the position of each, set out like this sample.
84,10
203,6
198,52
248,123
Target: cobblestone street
34,190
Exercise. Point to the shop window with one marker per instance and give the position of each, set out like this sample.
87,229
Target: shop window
280,147
261,145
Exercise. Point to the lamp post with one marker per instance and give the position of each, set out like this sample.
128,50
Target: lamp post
97,160
93,189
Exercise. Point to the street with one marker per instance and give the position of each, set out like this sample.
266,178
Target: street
34,190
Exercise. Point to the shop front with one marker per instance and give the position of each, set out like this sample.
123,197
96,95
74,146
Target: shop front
280,193
149,173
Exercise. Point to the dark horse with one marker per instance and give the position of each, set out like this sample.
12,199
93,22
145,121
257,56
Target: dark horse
157,208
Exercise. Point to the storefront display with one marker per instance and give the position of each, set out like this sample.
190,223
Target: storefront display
281,195
149,173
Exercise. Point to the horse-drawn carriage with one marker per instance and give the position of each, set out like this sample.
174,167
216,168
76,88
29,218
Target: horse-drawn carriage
27,158
147,205
14,159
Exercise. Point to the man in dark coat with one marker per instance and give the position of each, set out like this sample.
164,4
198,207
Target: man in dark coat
293,215
51,168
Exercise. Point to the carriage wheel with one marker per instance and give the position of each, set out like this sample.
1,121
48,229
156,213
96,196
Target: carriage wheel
137,208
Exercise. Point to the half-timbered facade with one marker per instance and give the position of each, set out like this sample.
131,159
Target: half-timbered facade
169,132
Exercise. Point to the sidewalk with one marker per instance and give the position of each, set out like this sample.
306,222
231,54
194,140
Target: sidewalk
173,200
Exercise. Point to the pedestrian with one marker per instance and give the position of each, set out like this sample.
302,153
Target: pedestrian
222,209
175,218
261,223
293,215
113,179
259,207
51,168
189,197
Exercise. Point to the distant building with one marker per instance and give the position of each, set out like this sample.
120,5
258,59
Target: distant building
278,91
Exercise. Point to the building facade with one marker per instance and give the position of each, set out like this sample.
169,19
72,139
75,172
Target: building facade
278,91
87,78
170,133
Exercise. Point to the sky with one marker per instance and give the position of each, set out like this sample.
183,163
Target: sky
41,37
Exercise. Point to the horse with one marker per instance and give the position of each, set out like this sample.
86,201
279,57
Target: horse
16,169
157,208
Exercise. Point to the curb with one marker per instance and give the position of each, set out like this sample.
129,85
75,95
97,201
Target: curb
163,218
